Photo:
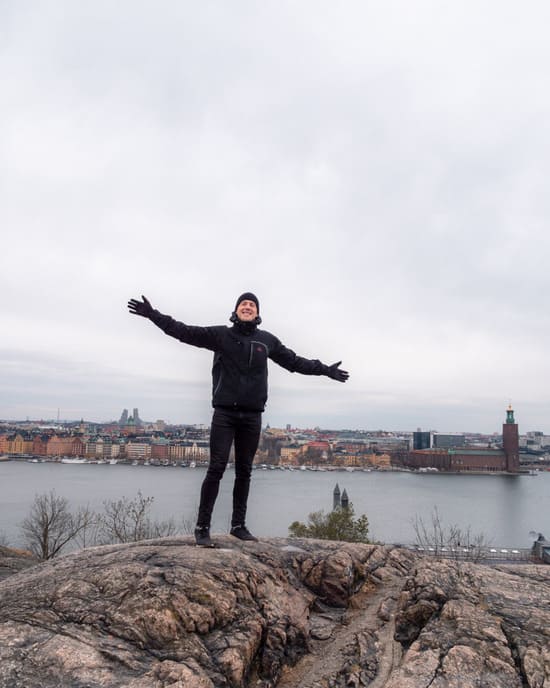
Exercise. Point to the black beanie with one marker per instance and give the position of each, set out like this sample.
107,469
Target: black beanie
248,296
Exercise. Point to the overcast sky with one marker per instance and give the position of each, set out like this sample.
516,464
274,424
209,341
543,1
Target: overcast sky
376,172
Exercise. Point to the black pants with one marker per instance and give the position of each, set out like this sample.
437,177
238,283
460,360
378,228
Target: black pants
228,426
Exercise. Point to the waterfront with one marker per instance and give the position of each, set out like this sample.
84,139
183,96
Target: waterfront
502,507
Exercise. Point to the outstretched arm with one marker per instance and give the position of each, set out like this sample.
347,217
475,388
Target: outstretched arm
296,364
204,337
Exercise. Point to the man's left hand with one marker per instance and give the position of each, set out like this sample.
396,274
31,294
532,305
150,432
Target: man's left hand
336,373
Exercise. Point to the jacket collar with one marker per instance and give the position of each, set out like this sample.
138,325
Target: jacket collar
245,328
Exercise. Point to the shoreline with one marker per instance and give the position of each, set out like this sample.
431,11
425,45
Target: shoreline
157,463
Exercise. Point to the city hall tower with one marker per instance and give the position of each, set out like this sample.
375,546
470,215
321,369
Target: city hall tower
510,441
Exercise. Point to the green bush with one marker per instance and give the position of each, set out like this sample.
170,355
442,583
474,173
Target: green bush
336,525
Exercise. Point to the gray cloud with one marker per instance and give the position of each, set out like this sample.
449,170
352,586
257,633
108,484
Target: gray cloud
375,172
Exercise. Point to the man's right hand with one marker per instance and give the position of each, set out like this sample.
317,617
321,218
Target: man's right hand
142,308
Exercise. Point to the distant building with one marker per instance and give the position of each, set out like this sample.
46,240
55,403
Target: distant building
40,444
289,454
160,449
510,441
458,458
421,440
136,450
448,441
65,445
134,419
534,441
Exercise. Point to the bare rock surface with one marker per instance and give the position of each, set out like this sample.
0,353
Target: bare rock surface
287,613
14,560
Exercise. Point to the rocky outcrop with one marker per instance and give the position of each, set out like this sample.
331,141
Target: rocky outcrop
286,613
467,625
14,560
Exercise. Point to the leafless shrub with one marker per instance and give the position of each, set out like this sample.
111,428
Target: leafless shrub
51,525
448,542
128,520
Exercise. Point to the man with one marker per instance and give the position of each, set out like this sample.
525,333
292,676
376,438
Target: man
239,394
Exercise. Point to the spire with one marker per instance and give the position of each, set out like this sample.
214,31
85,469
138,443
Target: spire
336,498
345,500
510,414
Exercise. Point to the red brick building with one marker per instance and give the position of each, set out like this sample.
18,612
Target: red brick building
510,441
464,459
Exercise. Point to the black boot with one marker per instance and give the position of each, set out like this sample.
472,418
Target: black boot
243,533
202,536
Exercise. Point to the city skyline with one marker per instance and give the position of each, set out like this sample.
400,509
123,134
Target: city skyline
127,419
380,187
157,444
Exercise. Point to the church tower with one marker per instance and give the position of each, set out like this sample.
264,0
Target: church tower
336,503
510,441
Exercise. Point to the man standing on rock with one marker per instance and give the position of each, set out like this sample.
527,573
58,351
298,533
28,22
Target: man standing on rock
239,394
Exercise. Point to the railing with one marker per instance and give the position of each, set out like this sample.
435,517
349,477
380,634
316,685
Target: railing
479,554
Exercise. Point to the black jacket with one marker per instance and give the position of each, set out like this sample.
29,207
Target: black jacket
239,370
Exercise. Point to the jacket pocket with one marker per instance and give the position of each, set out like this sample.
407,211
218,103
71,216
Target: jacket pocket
258,354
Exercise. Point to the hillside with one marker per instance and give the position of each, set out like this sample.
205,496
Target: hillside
286,613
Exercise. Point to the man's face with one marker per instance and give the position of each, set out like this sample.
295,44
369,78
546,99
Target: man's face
247,311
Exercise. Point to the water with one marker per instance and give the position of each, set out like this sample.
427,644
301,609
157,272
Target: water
503,508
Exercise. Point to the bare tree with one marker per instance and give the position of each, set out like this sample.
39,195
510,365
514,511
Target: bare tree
4,540
128,520
449,542
51,525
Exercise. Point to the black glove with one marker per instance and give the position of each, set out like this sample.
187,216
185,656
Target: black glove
336,374
142,308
